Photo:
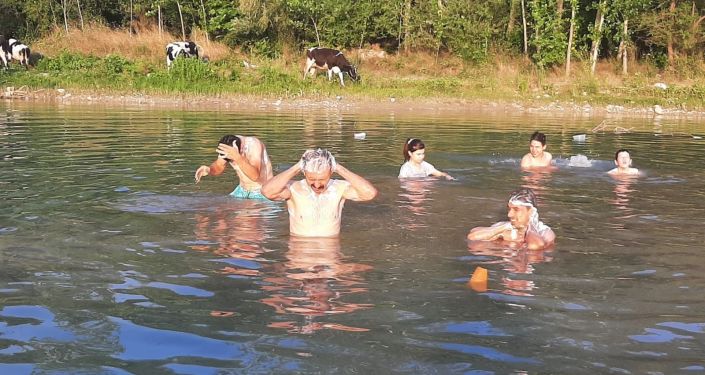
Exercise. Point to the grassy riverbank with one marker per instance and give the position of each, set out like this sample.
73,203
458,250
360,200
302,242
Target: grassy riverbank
108,62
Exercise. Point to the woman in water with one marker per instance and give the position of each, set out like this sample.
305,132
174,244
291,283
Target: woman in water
414,165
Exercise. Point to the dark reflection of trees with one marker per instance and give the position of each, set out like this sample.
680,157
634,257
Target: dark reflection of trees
515,260
237,231
312,283
413,197
622,191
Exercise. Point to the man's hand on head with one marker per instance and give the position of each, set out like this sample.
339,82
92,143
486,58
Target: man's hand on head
231,152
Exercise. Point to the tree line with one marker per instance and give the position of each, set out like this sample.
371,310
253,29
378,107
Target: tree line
549,33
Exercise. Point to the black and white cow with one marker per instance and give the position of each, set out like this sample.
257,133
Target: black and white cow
330,59
12,49
183,49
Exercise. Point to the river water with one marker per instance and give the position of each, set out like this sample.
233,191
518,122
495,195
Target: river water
112,261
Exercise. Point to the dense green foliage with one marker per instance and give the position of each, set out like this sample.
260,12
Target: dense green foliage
661,31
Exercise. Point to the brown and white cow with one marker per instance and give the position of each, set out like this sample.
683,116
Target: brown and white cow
12,49
331,60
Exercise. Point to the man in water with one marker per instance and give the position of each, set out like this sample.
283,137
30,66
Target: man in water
623,161
537,157
249,159
523,227
315,203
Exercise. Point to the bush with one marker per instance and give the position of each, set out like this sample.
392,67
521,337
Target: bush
114,64
68,62
192,70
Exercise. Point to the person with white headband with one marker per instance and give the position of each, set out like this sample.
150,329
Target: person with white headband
315,203
523,226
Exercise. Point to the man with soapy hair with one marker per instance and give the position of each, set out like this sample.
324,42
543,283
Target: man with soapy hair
523,227
315,203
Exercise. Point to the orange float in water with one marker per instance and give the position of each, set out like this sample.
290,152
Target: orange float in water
478,281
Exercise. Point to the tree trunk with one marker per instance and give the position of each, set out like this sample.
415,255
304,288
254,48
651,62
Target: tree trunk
205,21
315,27
623,46
559,8
570,39
669,43
159,19
130,17
512,15
407,32
53,15
80,14
181,18
66,20
599,20
523,22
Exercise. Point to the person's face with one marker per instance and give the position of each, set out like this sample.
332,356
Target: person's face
318,181
518,215
623,160
417,156
536,148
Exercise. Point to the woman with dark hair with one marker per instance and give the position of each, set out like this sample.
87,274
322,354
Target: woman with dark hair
414,165
523,227
537,157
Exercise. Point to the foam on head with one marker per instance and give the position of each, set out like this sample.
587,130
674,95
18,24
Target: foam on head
523,197
318,161
527,198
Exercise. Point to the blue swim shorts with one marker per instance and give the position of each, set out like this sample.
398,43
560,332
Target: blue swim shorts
241,193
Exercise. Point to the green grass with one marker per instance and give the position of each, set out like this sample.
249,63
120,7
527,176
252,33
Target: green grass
116,74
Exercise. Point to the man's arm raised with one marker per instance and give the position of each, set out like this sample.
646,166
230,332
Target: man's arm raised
360,189
277,188
249,164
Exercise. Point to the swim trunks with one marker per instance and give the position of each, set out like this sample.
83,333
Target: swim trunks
241,193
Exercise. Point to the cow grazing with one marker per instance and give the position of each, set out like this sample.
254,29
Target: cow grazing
12,49
331,60
183,49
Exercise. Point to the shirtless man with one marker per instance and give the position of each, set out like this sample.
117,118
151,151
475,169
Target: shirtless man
315,203
537,156
249,159
623,161
523,227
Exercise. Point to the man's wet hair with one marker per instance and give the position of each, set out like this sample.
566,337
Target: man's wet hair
524,195
229,139
411,145
317,161
616,154
538,136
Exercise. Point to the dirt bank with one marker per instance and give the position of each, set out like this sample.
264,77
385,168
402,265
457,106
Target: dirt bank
351,104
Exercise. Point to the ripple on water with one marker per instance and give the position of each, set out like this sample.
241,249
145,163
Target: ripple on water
479,328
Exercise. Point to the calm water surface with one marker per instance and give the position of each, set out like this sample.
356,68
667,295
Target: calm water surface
112,261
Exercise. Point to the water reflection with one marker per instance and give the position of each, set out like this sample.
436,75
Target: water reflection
236,230
312,283
515,260
414,197
622,192
537,180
